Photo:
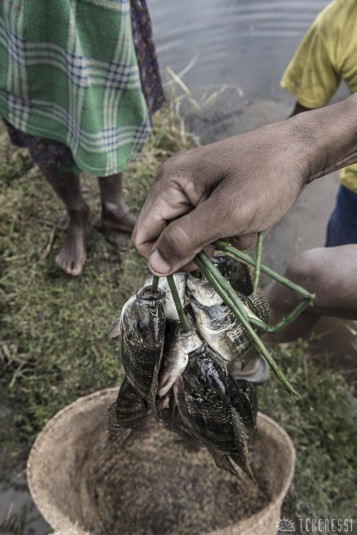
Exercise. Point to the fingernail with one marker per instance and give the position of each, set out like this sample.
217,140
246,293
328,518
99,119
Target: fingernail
158,264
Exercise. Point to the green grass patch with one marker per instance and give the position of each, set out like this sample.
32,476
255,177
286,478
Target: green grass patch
323,429
53,338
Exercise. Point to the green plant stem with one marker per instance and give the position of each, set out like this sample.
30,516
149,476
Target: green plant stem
155,283
258,261
289,318
178,304
225,247
231,299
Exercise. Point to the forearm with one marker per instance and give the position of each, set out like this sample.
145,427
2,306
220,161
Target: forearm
328,136
242,185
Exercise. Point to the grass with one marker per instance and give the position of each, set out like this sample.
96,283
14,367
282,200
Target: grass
53,334
323,429
53,338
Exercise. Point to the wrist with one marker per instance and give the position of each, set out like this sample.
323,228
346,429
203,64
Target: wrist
329,137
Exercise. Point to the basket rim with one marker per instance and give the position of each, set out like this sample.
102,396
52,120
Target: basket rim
60,522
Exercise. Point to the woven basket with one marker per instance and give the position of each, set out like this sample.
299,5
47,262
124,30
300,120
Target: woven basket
58,487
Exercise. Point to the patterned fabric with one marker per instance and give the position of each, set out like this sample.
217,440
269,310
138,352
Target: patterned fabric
44,151
146,55
68,72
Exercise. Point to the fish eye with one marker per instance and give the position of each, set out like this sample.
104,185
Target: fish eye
141,326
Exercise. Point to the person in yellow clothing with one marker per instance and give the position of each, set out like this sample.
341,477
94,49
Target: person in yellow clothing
327,56
231,188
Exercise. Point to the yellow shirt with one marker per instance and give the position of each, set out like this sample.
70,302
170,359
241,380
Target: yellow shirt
326,55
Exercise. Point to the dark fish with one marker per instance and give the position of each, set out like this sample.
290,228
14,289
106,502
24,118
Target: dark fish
235,272
172,421
128,412
245,400
141,328
204,403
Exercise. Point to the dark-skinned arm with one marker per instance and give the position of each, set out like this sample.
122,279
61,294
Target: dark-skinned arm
241,185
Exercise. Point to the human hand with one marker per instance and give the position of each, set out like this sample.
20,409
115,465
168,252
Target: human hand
230,189
239,186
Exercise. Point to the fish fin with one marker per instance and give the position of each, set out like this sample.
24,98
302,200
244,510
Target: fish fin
114,430
151,398
159,404
247,468
222,461
244,400
259,305
179,392
241,454
115,329
172,403
165,387
141,431
250,392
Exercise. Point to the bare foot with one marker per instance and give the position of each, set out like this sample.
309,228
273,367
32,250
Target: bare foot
122,223
72,256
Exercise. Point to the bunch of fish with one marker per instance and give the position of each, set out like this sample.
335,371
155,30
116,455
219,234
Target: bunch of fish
183,378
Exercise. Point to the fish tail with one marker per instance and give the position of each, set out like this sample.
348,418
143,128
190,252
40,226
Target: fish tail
222,461
114,430
244,465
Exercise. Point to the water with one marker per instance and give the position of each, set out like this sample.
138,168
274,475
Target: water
243,46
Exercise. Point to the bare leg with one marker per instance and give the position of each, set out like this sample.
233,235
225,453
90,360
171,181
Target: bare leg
72,256
329,273
116,214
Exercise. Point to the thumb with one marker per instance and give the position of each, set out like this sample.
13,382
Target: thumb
183,238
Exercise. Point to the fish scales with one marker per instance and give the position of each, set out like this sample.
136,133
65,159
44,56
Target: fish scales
244,400
217,324
204,402
240,452
178,345
129,411
141,330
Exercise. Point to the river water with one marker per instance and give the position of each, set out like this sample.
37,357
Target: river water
242,47
239,48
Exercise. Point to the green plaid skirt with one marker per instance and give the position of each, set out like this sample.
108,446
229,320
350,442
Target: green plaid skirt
78,80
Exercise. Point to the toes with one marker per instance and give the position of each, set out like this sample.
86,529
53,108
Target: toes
69,265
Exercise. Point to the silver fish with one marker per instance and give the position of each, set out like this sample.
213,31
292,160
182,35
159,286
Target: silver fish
141,328
203,400
180,282
178,344
217,324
